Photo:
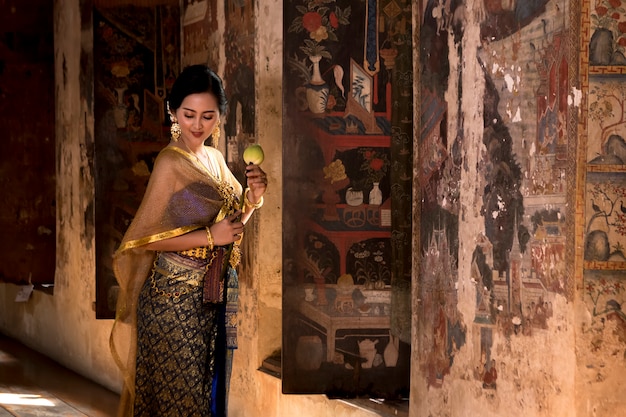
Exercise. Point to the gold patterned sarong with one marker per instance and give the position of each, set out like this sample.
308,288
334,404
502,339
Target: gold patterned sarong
176,340
181,196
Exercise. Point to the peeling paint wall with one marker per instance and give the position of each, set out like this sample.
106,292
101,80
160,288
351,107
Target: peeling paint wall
63,325
517,304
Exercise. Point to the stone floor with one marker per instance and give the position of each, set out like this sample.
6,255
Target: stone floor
32,385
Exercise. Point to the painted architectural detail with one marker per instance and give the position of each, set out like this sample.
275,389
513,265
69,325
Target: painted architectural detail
442,328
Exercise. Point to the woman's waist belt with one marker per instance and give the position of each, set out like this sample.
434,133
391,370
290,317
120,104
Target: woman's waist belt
188,266
201,253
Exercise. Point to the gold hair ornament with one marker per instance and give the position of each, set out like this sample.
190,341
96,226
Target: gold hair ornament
175,129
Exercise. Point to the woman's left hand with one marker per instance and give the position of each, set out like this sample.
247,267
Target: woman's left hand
257,183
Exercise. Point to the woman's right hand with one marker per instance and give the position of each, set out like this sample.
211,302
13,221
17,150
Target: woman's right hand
228,230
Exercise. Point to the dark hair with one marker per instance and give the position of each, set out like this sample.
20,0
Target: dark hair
196,79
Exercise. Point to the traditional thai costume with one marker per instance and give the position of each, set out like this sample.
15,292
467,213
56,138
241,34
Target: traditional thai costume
176,310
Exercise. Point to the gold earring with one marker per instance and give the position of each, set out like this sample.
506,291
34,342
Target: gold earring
215,135
175,130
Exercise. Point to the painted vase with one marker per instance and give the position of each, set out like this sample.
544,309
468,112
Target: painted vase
317,89
376,196
120,111
354,197
391,351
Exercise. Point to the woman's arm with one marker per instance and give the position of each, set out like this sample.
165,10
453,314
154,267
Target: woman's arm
256,180
222,233
195,239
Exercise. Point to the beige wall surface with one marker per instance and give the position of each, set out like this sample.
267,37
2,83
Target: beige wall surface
63,325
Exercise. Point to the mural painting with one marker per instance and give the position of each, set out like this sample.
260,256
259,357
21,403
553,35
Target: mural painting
347,197
200,39
604,188
519,261
135,49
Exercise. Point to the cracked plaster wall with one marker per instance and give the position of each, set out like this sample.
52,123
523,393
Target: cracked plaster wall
500,94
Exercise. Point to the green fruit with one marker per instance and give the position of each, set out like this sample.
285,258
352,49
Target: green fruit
253,154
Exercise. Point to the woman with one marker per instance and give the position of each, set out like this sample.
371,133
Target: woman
175,266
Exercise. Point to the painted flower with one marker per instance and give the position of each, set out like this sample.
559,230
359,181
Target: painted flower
320,34
120,69
335,171
320,21
334,21
375,164
311,21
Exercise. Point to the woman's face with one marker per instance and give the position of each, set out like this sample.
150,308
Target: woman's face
197,116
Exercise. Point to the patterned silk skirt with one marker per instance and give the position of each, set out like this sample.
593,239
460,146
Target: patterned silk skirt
180,343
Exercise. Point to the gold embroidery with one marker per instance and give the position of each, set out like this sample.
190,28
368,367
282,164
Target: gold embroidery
176,272
235,255
200,253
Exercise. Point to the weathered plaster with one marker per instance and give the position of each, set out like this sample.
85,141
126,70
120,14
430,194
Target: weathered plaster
63,325
536,370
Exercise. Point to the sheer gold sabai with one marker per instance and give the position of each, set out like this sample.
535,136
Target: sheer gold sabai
182,196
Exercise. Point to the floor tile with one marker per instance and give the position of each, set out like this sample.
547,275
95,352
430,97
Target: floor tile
32,385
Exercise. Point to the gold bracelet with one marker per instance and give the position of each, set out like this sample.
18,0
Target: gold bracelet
248,203
209,238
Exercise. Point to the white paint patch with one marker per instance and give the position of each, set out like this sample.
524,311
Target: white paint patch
575,97
510,83
518,116
501,205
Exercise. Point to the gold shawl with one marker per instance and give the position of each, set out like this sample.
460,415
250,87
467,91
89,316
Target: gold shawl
182,196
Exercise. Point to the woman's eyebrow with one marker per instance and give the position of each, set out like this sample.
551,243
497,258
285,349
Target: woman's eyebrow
192,110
